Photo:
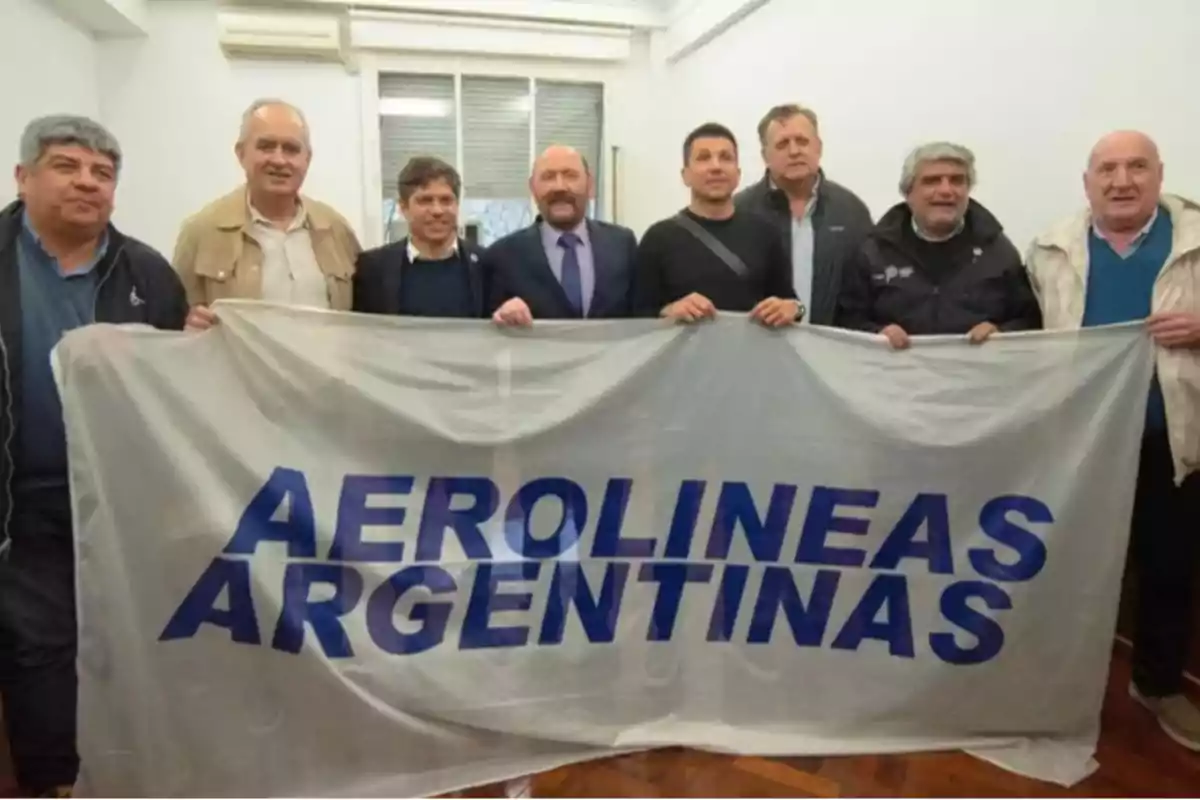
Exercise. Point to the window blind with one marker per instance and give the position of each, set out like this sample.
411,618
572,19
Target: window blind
496,137
416,118
571,114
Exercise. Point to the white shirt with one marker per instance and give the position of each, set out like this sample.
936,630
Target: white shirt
413,255
290,272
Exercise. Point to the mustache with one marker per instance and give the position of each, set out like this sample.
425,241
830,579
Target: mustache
561,197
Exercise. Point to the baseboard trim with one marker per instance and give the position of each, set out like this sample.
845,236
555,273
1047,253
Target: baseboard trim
1121,640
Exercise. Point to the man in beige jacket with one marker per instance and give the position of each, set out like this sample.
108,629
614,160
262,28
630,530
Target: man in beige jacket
1135,255
264,240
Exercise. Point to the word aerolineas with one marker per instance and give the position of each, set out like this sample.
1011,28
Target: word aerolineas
525,596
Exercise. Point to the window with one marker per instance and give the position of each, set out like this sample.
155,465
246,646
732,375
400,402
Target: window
490,129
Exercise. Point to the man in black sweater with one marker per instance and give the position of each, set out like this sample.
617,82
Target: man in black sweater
710,255
431,272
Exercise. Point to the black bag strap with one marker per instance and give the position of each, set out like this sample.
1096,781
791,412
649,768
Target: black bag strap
712,243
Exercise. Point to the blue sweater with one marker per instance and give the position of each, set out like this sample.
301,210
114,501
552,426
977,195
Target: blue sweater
1121,288
52,302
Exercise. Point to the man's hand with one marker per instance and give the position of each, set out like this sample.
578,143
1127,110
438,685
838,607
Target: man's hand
514,312
897,337
981,333
776,312
690,309
199,318
1175,329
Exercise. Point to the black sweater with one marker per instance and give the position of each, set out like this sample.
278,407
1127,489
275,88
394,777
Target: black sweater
672,263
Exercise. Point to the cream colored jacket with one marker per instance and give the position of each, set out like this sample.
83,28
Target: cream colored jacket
217,258
1058,269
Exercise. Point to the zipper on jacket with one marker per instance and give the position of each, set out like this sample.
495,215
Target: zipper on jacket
100,285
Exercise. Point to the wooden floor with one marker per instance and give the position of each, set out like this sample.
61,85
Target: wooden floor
1136,760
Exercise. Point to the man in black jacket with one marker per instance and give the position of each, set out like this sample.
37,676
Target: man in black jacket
62,266
431,272
938,263
822,222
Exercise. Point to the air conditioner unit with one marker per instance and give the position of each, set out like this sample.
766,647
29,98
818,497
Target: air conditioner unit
266,34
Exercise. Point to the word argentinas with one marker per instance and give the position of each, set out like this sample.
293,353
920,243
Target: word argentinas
607,561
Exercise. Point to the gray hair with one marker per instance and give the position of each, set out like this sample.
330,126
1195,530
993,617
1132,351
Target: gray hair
65,129
267,102
936,151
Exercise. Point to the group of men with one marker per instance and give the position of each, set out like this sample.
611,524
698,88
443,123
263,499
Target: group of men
795,247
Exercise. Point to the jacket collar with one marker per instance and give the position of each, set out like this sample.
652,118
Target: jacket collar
12,222
767,189
980,224
1070,234
233,212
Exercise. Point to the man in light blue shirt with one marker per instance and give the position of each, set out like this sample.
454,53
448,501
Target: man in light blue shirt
803,245
822,222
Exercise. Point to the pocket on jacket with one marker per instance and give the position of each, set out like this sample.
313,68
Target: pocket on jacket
217,275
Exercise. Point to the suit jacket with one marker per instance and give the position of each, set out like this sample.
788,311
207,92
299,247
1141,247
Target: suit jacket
379,278
518,267
840,223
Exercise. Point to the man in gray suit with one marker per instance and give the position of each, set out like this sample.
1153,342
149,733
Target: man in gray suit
564,266
822,222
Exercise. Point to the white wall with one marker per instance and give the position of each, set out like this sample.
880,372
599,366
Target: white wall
1027,84
50,67
175,102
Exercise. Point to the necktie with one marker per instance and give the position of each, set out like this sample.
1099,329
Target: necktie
572,280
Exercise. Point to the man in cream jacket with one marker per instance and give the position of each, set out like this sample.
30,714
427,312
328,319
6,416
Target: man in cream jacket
264,240
1135,255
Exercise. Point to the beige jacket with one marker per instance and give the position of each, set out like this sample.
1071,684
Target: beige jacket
217,258
1058,269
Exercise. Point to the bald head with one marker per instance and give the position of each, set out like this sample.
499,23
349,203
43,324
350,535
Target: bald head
1121,142
560,155
1123,181
561,184
272,113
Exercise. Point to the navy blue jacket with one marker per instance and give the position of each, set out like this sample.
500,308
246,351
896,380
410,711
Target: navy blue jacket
379,278
519,268
135,285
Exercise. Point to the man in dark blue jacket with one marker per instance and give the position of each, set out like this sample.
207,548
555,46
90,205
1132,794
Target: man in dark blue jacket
564,266
431,272
938,263
62,266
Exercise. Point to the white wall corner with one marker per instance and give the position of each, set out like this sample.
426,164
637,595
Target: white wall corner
106,19
695,23
435,33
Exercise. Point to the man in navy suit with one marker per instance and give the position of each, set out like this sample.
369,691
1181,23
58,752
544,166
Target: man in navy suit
564,266
431,272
